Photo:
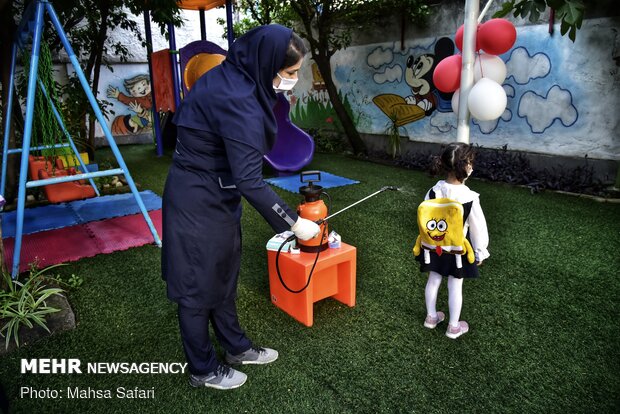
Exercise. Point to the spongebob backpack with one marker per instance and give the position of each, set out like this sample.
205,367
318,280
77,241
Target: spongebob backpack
441,226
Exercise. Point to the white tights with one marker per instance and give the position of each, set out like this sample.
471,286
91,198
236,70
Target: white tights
455,296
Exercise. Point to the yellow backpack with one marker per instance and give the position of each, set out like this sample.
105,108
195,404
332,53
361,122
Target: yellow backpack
441,227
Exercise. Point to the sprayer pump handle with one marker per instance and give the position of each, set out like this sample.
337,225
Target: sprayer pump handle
303,177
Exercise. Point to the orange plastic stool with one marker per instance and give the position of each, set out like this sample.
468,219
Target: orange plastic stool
334,276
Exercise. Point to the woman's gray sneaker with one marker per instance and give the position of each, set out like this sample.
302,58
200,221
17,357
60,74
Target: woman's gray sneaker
253,355
223,378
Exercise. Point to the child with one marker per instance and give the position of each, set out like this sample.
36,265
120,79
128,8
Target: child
456,161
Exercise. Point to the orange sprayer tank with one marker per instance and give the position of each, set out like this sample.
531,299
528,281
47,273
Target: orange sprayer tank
314,209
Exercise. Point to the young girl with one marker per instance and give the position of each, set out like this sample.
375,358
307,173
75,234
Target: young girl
456,161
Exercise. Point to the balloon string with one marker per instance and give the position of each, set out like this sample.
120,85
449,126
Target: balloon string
480,60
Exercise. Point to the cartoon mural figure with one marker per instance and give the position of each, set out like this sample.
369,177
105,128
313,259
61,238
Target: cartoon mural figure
139,102
424,98
318,84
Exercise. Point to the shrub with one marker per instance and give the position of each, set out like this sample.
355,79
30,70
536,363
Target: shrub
24,304
514,167
327,141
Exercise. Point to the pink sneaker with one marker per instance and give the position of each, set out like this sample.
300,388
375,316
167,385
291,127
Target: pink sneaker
431,322
454,333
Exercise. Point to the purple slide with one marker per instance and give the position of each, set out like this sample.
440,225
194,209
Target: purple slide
294,148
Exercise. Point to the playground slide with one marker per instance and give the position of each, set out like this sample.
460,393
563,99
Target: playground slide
294,148
197,58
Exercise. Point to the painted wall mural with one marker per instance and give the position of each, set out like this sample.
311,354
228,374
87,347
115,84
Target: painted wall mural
424,97
562,96
313,109
127,91
134,99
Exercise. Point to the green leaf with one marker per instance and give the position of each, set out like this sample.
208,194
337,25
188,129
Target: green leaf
46,310
46,270
41,322
564,26
16,333
572,35
505,9
45,294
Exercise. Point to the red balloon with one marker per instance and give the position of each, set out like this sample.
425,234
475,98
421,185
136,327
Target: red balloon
497,36
458,38
447,74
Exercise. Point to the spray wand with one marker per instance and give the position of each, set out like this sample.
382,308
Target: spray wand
387,187
319,222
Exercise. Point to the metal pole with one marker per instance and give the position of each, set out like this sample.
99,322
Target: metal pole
230,33
467,69
174,53
23,170
76,177
484,10
41,147
149,51
203,25
7,121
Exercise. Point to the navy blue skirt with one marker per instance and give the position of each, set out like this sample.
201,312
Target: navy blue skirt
445,265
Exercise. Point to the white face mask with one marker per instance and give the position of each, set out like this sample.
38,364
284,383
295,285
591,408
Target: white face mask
286,84
469,170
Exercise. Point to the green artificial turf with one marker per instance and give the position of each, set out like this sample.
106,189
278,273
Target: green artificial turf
544,319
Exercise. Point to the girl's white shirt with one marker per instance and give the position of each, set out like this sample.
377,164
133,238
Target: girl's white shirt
476,223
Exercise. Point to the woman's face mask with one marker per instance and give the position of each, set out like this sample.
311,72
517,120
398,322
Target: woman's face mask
286,84
288,81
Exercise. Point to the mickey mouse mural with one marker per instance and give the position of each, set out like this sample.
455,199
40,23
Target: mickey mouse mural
425,98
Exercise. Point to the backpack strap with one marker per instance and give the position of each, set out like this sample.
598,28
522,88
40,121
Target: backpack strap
466,210
466,206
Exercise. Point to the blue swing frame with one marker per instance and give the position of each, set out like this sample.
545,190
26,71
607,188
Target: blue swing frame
31,25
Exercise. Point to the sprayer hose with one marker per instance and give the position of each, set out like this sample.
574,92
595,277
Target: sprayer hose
291,238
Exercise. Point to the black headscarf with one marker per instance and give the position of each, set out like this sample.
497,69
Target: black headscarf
235,99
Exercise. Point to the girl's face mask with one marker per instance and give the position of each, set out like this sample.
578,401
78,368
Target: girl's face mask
469,170
286,84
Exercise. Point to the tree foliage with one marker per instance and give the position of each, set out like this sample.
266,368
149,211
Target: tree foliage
328,26
88,24
331,24
569,12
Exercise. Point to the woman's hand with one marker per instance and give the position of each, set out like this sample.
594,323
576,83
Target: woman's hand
305,229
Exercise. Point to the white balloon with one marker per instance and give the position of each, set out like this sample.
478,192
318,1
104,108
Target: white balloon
487,100
489,66
455,101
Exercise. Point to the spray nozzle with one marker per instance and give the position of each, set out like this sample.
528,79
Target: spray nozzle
390,187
